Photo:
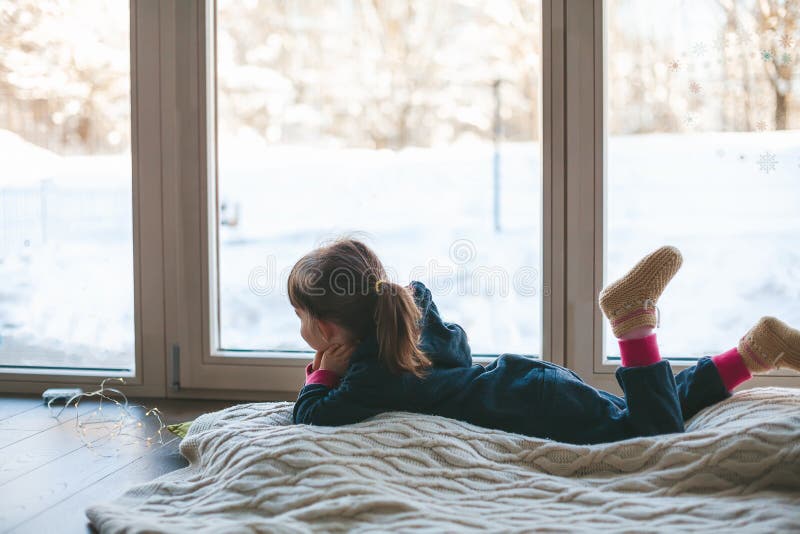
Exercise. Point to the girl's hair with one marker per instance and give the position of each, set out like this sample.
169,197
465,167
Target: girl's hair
345,282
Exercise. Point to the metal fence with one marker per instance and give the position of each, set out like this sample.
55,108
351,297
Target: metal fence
50,213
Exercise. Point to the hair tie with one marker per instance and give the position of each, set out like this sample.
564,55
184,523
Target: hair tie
378,285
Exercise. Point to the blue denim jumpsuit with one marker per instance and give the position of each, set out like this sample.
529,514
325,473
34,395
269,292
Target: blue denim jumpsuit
513,393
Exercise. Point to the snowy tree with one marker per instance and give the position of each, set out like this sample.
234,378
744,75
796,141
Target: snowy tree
394,73
736,72
378,73
769,28
64,76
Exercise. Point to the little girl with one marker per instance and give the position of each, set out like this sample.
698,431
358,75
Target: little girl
383,347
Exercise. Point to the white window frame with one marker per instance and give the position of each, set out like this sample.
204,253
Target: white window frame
148,378
194,370
573,169
173,210
586,197
197,367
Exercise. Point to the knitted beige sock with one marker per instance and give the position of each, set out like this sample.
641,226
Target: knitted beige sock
770,344
630,302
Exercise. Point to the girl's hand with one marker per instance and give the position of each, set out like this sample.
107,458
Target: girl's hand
317,360
336,358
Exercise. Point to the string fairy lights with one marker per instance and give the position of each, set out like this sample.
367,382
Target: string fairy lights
115,426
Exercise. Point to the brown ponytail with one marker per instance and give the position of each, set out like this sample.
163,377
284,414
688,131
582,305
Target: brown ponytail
397,325
345,282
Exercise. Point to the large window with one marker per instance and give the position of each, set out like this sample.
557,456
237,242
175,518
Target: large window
66,251
703,152
164,164
414,121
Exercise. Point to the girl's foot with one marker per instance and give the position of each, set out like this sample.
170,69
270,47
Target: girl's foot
770,344
637,333
630,302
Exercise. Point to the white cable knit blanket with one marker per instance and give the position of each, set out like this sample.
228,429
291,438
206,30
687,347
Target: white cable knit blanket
736,467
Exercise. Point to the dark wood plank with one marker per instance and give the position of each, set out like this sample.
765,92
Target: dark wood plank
35,490
52,469
68,516
11,406
40,417
10,436
41,446
178,411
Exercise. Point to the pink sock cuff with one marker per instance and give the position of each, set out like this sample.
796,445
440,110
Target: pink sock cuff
731,368
638,352
637,313
323,376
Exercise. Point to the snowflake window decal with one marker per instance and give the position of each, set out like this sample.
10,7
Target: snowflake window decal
746,38
721,43
699,49
767,162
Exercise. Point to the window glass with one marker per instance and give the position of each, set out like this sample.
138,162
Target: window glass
66,249
416,122
703,152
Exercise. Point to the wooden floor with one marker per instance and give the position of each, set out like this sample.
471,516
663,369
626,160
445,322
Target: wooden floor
49,475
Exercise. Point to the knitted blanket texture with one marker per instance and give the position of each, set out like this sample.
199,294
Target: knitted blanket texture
250,470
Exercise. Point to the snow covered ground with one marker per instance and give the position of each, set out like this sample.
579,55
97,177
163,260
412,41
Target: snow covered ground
737,225
66,264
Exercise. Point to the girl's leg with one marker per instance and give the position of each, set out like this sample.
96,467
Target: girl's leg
770,344
702,385
699,386
655,400
651,395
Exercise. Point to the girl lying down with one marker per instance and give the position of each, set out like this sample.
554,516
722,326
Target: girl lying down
383,347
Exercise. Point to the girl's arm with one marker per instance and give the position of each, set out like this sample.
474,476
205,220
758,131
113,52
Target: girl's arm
444,343
329,365
322,401
321,376
319,404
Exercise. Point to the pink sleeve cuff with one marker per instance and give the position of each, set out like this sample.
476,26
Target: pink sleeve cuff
324,377
639,352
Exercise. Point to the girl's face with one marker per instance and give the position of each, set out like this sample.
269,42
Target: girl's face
310,330
320,334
